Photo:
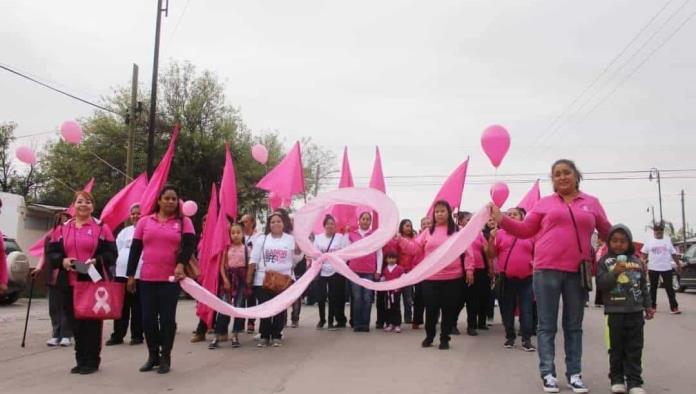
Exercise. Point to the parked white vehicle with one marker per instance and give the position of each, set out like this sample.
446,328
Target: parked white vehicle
18,270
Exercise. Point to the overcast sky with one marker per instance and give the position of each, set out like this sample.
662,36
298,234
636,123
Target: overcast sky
420,79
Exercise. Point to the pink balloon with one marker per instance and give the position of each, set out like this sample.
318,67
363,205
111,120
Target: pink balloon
495,141
259,153
26,155
189,208
499,193
71,131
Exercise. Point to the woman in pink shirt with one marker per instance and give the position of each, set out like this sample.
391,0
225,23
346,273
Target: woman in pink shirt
442,291
562,225
165,239
407,262
515,257
82,239
367,267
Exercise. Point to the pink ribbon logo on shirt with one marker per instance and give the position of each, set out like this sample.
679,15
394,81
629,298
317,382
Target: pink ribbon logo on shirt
102,296
305,219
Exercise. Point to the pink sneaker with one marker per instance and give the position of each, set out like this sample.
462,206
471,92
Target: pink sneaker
397,329
388,328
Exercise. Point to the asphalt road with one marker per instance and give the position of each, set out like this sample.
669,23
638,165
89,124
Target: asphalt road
312,361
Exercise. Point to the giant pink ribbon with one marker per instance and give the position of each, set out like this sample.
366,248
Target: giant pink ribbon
304,220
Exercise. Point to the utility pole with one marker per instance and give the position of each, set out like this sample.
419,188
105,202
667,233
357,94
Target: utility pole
659,189
153,92
683,223
132,120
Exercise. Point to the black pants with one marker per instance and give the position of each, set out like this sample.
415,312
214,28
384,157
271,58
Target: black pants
667,282
270,326
626,348
158,301
87,334
418,304
334,288
381,308
479,298
517,292
441,297
60,322
392,308
131,313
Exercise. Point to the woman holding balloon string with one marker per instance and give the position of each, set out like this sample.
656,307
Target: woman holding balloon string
562,225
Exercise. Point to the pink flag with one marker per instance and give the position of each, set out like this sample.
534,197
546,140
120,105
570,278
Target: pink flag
344,214
377,178
276,201
204,246
287,178
88,188
377,182
159,176
117,209
228,187
531,198
451,191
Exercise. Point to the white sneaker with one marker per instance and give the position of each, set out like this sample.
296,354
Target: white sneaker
618,389
575,383
65,342
53,342
637,390
550,384
257,337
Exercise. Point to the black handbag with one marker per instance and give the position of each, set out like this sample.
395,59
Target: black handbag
501,279
585,267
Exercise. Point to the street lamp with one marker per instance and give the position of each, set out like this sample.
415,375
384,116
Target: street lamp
654,172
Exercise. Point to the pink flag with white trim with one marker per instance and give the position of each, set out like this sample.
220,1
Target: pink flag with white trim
287,178
159,176
117,210
451,191
531,198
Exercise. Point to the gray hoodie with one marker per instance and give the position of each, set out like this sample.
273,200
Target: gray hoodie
628,291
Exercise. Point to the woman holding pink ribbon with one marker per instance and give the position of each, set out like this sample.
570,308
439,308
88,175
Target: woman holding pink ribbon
82,241
442,291
368,267
165,240
562,225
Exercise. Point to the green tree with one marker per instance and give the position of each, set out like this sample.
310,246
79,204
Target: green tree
197,101
23,183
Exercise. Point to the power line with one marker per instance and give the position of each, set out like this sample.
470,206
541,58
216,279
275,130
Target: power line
635,70
601,74
13,71
616,72
528,174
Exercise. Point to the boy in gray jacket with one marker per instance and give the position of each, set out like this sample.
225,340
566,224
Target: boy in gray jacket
621,278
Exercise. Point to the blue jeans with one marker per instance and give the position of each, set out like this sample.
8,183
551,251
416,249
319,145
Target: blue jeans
549,287
407,293
362,303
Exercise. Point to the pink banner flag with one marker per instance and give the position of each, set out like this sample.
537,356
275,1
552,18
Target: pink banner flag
377,182
88,188
344,215
531,198
117,210
204,246
228,187
159,176
451,191
287,178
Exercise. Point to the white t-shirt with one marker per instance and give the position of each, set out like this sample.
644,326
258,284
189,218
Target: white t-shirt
321,241
659,253
274,254
123,244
